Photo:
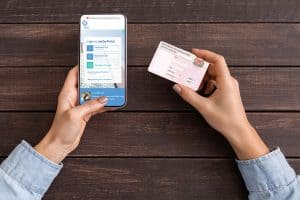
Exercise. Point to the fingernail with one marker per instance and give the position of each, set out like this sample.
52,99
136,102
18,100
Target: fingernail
199,62
103,100
177,88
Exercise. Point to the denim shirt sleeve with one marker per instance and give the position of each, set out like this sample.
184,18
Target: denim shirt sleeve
26,174
270,177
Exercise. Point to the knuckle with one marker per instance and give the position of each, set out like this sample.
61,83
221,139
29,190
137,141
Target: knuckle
236,82
221,58
189,97
70,71
233,83
185,95
92,102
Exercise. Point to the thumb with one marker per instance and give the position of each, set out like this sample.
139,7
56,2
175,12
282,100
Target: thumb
193,98
91,106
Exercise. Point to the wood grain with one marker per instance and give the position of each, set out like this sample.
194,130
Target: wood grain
151,134
148,179
137,11
37,88
242,44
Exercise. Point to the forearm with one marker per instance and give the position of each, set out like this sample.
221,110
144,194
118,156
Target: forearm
51,149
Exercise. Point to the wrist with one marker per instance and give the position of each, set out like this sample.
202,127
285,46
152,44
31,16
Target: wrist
246,142
51,149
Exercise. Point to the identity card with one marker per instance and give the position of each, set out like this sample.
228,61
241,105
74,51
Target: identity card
178,65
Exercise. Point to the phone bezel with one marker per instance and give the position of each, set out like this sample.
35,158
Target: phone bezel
125,70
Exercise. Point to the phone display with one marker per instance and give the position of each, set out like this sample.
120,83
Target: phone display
103,58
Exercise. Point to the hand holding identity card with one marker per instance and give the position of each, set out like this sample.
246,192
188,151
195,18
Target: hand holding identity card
178,65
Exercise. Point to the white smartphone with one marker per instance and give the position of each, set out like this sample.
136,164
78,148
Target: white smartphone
103,58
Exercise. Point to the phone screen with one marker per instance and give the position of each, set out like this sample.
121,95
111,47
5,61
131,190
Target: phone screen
103,59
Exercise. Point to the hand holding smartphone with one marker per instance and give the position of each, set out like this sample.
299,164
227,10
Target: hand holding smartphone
103,59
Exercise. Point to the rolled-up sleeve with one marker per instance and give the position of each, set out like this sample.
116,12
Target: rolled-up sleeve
270,177
26,172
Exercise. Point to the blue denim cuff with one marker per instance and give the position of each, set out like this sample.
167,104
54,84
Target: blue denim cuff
268,172
30,169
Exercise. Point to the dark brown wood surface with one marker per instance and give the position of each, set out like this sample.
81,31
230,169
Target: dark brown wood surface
262,89
158,147
182,134
131,178
143,11
242,44
172,178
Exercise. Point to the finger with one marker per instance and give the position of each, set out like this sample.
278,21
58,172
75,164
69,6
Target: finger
91,106
72,79
211,86
190,96
207,55
218,63
67,95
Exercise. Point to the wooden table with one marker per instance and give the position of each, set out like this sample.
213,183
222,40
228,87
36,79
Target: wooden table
157,147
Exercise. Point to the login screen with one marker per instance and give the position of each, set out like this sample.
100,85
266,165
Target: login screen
103,58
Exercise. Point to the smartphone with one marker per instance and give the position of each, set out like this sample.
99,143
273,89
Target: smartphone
103,59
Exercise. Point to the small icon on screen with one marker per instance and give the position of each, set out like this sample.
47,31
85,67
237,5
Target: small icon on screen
89,56
90,48
90,65
86,96
84,23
